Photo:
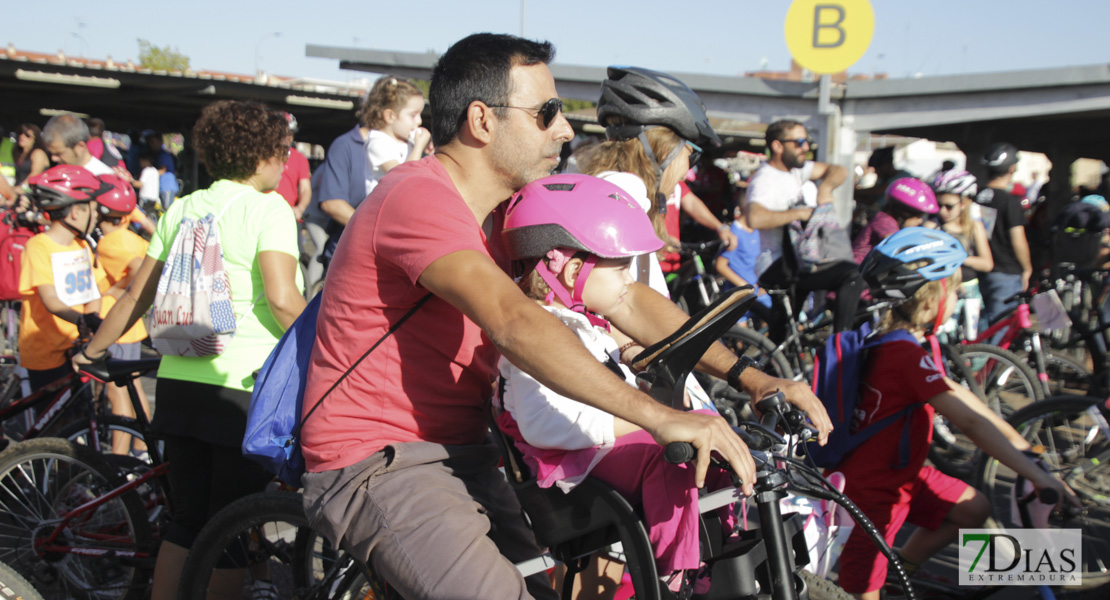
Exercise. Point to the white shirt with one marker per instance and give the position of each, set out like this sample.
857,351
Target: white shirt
382,148
97,167
777,191
148,190
549,420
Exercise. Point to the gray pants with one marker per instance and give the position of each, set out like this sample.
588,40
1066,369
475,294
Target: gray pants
437,522
315,270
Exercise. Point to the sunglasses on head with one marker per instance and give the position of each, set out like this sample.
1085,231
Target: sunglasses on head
547,112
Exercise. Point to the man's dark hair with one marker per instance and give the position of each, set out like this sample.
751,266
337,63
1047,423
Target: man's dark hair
776,130
477,68
881,156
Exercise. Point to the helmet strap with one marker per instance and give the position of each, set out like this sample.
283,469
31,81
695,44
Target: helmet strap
572,300
660,195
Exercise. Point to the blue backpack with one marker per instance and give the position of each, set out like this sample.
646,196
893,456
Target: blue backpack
274,416
838,369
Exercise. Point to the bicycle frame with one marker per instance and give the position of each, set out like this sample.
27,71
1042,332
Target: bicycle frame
159,470
59,396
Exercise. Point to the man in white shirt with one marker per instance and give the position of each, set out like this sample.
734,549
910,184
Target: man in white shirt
67,137
775,200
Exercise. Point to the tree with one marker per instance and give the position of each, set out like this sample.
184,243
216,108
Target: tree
161,59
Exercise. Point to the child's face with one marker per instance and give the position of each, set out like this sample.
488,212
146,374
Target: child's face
407,119
607,285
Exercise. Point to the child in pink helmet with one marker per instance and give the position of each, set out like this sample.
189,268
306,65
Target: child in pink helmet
908,200
575,237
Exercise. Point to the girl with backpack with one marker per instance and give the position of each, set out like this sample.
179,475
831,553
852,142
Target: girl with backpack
202,400
922,265
576,237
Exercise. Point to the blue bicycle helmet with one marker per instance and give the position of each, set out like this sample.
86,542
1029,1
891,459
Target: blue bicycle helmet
902,263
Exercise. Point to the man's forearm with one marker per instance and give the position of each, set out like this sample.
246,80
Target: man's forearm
763,218
340,211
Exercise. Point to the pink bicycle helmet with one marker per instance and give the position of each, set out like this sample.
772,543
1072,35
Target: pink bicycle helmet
556,216
118,201
913,194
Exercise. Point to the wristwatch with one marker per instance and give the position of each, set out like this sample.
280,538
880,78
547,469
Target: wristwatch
738,368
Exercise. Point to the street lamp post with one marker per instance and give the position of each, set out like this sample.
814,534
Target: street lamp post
258,49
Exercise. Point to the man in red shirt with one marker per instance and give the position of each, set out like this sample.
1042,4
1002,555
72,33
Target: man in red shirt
399,468
296,180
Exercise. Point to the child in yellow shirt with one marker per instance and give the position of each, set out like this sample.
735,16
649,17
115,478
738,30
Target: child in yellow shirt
121,253
58,278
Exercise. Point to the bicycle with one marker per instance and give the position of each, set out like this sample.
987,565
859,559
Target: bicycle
270,529
74,523
1069,434
692,287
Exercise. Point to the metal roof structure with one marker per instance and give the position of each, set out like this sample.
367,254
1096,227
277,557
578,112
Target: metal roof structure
36,86
1063,112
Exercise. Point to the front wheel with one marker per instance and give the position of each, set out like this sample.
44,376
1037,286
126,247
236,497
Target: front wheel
823,589
104,552
1070,433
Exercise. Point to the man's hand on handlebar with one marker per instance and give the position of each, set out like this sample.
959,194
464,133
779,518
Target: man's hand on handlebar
708,433
797,393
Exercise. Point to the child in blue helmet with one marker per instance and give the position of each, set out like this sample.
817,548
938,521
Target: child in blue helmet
922,267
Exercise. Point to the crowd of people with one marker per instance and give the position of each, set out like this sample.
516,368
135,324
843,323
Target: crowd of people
530,289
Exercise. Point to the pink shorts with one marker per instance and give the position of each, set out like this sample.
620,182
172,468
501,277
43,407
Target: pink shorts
930,498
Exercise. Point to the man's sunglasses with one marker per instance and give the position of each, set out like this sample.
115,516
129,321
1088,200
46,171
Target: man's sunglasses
799,142
547,112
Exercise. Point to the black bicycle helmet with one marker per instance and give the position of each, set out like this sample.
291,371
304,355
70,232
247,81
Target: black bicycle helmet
633,98
1000,156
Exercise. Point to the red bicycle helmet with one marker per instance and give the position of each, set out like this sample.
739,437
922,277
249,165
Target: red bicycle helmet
63,186
118,201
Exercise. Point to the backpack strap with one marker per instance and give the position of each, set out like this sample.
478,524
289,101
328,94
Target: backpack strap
297,431
909,412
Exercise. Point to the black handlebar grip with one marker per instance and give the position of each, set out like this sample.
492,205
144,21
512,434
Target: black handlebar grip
678,453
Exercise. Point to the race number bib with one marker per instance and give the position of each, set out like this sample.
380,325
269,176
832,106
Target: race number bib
73,277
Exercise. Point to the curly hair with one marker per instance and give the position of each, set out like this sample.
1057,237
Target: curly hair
232,137
389,92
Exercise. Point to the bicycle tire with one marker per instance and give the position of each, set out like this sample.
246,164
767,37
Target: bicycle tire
823,589
1069,429
748,342
78,432
1065,374
1010,375
268,532
14,586
43,478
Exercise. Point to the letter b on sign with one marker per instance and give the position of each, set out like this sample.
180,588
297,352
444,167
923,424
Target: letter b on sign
828,36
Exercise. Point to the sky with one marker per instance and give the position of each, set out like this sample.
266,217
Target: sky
717,37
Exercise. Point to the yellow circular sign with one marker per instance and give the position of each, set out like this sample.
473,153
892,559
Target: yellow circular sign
828,36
